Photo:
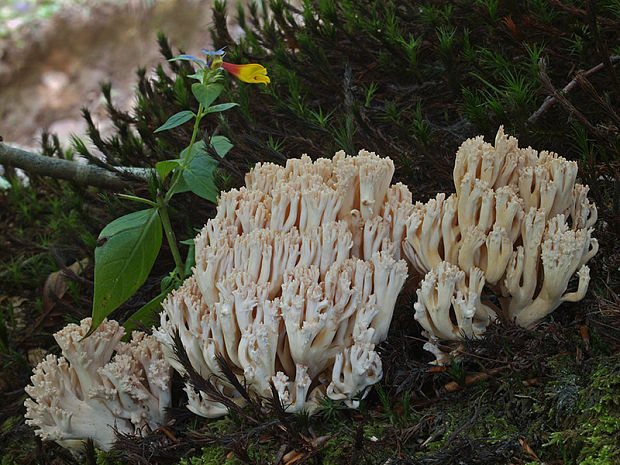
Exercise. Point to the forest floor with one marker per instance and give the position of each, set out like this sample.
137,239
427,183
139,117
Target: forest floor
409,82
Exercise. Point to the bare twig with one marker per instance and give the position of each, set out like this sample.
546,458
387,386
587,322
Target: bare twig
562,100
600,44
579,12
589,88
551,99
594,131
80,173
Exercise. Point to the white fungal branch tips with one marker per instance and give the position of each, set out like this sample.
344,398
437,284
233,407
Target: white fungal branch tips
87,393
504,235
295,282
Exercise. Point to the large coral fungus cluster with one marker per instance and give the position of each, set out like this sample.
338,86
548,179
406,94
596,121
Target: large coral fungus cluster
295,283
505,245
296,280
87,393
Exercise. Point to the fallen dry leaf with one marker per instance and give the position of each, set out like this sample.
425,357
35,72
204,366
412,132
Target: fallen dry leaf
585,335
437,369
292,457
532,381
453,386
528,450
56,285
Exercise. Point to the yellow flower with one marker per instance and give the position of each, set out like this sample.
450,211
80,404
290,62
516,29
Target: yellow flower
252,72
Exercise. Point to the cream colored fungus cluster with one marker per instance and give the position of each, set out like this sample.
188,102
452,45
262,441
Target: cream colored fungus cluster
87,393
295,282
297,276
506,244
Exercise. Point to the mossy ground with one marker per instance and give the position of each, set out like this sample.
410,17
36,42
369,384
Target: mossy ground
561,411
411,82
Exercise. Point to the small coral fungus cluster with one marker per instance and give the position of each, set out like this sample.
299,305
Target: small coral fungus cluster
295,282
87,393
297,276
505,245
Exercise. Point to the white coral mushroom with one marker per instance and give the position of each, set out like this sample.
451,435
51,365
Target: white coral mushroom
299,297
507,224
84,394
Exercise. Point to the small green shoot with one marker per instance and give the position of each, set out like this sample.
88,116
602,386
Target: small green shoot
370,93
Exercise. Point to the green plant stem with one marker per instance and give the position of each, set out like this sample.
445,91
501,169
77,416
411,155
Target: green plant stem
163,201
178,173
162,208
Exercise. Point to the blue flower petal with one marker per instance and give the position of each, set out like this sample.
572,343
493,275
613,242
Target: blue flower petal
219,52
189,58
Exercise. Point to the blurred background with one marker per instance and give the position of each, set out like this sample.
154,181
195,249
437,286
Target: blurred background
55,53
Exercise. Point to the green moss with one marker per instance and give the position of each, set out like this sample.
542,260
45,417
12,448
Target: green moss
374,430
222,425
10,423
593,437
334,451
262,453
563,390
106,458
8,460
494,426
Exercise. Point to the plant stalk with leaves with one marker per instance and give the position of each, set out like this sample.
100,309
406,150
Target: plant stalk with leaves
132,242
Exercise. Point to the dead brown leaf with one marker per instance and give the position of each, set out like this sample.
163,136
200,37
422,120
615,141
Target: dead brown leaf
528,450
56,285
292,457
585,335
475,378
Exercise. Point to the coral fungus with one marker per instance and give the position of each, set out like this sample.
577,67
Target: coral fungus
295,282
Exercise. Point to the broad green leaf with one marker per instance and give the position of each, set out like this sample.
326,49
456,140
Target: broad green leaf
165,167
198,147
198,175
221,107
124,261
148,313
199,75
221,144
176,120
181,185
206,93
